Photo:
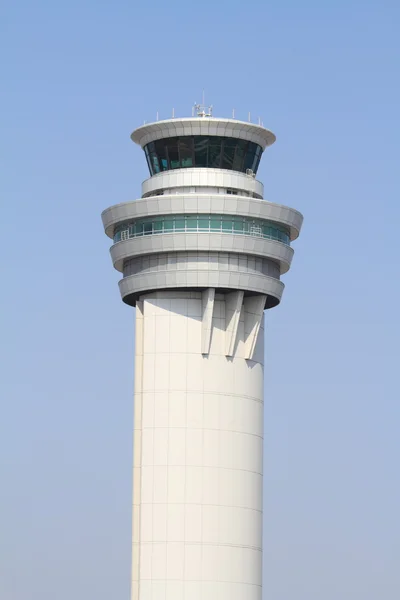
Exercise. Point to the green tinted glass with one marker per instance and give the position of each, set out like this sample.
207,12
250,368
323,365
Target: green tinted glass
191,222
227,224
204,222
213,223
238,225
180,223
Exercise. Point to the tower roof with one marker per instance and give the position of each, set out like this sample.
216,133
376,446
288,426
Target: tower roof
207,126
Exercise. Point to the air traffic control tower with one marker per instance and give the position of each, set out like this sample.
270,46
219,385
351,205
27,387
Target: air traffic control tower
201,255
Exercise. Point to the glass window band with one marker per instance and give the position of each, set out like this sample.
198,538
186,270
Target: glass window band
215,152
202,223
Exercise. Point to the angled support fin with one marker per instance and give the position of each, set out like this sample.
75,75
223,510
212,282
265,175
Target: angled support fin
253,313
207,305
233,306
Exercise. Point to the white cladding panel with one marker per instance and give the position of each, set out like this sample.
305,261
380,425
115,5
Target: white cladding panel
197,519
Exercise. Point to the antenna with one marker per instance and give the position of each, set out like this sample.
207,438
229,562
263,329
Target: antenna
202,110
157,116
173,113
249,118
233,113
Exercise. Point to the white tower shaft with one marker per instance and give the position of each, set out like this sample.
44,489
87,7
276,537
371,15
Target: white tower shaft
198,447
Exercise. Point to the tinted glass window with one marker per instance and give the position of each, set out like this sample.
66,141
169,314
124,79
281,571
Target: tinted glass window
180,223
154,163
249,161
215,222
228,154
214,152
204,222
201,151
186,156
232,224
173,154
227,224
191,222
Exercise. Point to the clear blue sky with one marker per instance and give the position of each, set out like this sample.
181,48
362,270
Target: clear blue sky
77,78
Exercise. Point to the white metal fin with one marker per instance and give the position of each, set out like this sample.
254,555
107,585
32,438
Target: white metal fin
207,303
233,306
253,313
